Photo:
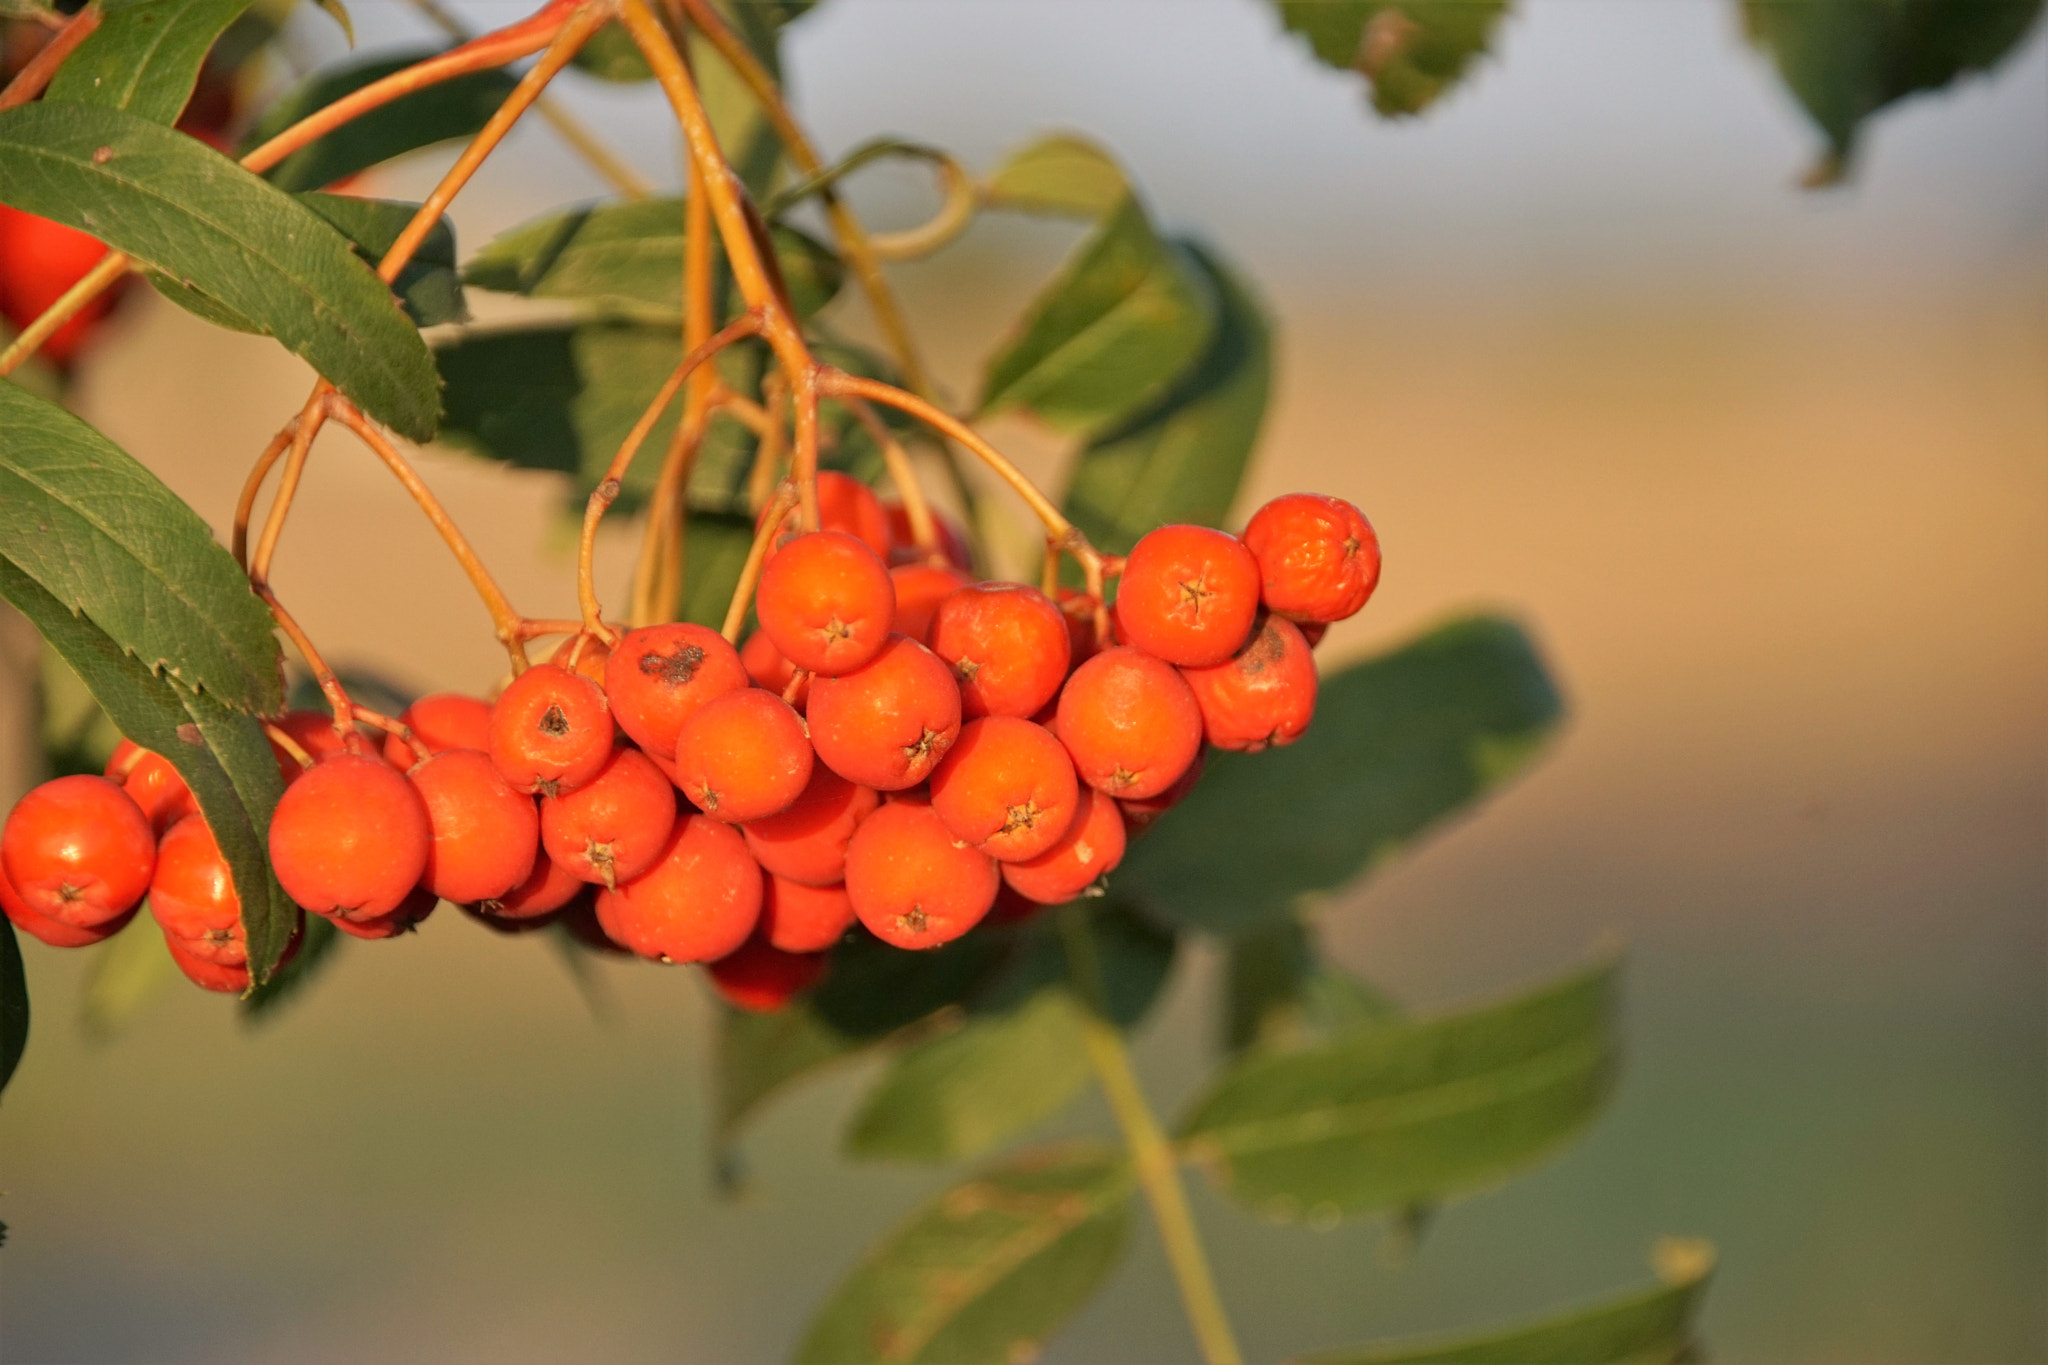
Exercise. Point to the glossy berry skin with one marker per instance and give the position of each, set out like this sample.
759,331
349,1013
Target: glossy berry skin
659,676
40,260
1318,557
1077,609
887,725
847,505
192,898
771,672
952,541
1007,787
551,731
807,842
803,919
1008,647
441,721
919,590
826,600
152,784
547,888
54,932
79,850
1188,595
1091,848
762,978
699,901
413,911
912,882
615,826
1140,813
744,756
1130,723
1265,694
350,839
204,972
485,835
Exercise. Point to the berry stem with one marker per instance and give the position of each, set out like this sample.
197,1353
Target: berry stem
292,748
1151,1153
245,506
90,286
36,73
308,423
330,686
924,533
765,421
391,726
757,555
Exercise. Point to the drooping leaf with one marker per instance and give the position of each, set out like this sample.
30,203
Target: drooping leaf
13,1003
77,736
105,537
757,1054
1410,50
455,108
1652,1326
1409,1111
318,948
129,971
1279,994
984,1272
1061,174
1399,742
178,206
145,56
1844,60
1129,314
1182,459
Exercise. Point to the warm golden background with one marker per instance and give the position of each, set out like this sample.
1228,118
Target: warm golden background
1765,471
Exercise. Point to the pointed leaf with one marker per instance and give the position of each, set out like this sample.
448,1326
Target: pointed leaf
1061,174
983,1273
318,949
1279,994
104,536
13,1003
430,286
178,206
145,56
1412,51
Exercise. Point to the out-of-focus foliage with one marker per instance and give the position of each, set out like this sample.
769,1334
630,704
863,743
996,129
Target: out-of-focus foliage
1411,51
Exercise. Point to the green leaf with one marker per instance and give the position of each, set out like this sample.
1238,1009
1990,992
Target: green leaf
1398,743
145,56
222,755
105,537
1133,955
715,546
13,1003
178,206
456,108
984,1272
1182,459
1409,1111
1061,174
338,12
1278,995
430,286
1410,50
127,974
1844,60
1129,314
317,949
1649,1327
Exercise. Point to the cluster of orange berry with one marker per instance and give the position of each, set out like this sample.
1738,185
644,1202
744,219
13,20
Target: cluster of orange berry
906,747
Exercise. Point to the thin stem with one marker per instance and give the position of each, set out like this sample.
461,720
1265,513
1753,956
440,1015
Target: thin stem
90,286
1151,1153
295,751
245,506
310,419
535,628
390,726
768,441
924,533
757,555
330,686
35,74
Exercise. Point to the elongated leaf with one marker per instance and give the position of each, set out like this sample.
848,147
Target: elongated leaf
1404,1112
1398,743
222,755
966,1091
1279,995
103,536
145,56
1061,174
1129,314
1412,51
318,950
983,1273
430,286
1133,955
453,109
1182,459
13,1003
178,206
1649,1327
128,974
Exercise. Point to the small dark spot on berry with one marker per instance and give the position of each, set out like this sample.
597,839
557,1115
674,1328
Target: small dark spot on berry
914,920
675,669
553,722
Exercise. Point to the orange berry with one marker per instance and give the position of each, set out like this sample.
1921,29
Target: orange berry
54,932
887,725
826,601
192,898
807,842
551,731
485,835
1090,849
314,732
1141,812
152,784
411,912
350,839
1188,595
952,541
203,971
1008,646
615,826
441,721
803,919
744,756
912,882
1007,787
1264,694
591,659
1077,609
507,925
844,504
698,902
78,849
1318,557
771,672
1130,723
40,259
763,978
548,888
659,676
919,590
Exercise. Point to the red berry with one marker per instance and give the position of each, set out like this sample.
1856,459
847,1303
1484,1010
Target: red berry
441,721
888,724
1130,723
1188,595
1008,645
485,835
1264,694
912,882
919,590
350,838
548,888
952,541
551,731
39,261
152,784
844,504
826,601
1318,557
698,902
1141,812
771,672
807,842
410,914
54,932
659,676
1091,848
193,900
744,756
78,849
614,827
1006,787
804,919
763,978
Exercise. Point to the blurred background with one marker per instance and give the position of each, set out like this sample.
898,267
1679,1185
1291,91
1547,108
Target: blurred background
1765,471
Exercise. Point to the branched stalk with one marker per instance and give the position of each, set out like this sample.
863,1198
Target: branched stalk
392,726
330,686
923,532
757,555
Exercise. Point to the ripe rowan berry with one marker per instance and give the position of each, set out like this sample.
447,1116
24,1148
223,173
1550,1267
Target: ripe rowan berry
1130,723
548,888
919,590
1077,609
951,540
78,849
826,601
441,721
54,932
1007,787
844,504
193,900
1188,595
1318,557
39,261
807,842
350,839
1264,694
763,978
485,835
1008,646
744,756
612,828
501,924
1142,812
659,676
803,919
888,724
1090,849
584,655
698,902
204,972
314,732
579,921
152,784
771,672
551,731
912,882
410,914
